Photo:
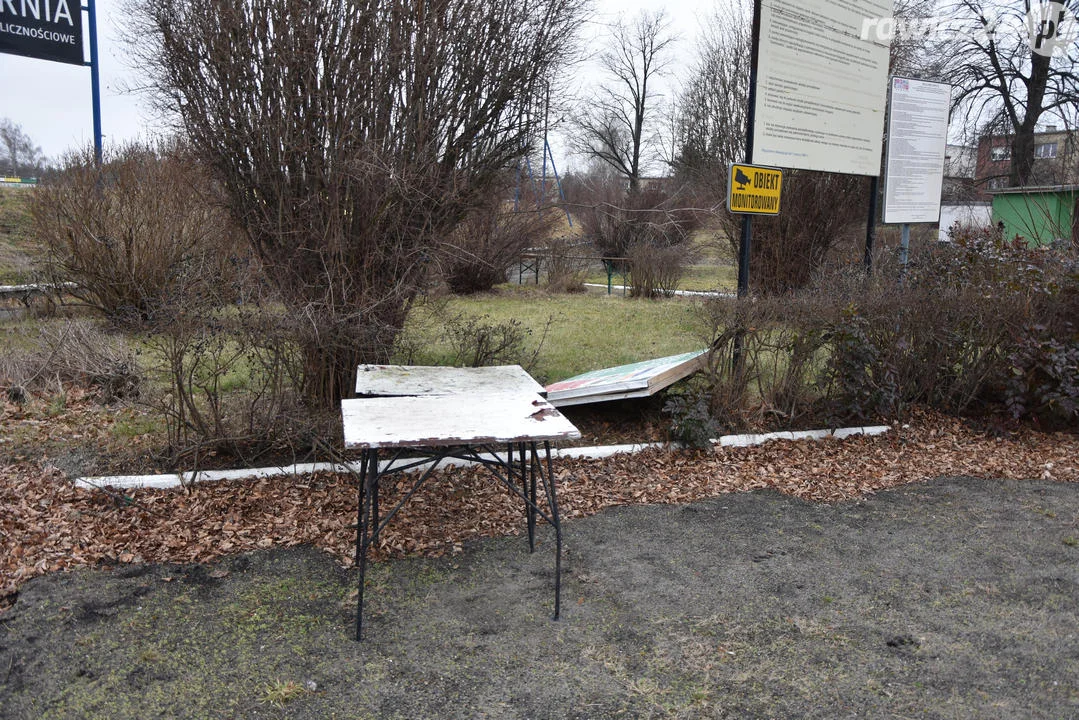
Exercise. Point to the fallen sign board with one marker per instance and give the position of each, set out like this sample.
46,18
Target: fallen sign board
639,379
754,189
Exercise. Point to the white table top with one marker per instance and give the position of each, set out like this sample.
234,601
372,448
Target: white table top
393,380
439,407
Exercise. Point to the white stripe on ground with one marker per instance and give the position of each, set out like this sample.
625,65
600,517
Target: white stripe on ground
171,480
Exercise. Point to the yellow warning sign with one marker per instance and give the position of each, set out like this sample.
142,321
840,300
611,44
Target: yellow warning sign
754,189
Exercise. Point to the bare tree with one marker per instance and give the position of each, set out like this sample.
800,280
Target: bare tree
711,132
351,137
916,48
1008,81
20,152
710,124
616,128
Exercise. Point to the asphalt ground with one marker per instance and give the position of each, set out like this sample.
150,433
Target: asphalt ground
956,598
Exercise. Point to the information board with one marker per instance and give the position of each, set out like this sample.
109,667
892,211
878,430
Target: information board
822,84
917,142
640,379
42,29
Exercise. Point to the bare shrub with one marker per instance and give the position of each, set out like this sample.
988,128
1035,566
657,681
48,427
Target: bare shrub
620,223
233,376
763,359
232,387
125,233
656,270
75,352
458,339
476,341
567,265
488,241
789,249
616,221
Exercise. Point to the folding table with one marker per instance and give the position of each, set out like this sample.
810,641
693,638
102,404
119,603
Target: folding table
494,416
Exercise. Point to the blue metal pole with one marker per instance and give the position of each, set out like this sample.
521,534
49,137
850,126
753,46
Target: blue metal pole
95,80
558,182
546,111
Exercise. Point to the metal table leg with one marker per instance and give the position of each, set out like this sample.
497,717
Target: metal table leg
526,464
367,523
520,465
543,469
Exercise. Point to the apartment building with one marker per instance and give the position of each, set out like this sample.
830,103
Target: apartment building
1056,161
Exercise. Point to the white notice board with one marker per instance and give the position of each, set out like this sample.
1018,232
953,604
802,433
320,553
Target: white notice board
822,85
917,141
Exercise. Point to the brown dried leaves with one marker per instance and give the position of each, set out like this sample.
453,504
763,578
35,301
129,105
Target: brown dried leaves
46,524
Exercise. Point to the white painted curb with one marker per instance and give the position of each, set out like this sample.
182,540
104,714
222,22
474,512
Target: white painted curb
747,440
172,480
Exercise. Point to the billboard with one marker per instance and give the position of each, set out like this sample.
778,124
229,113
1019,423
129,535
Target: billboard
822,85
917,141
42,29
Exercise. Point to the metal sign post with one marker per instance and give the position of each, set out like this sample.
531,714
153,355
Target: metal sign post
95,80
747,220
871,223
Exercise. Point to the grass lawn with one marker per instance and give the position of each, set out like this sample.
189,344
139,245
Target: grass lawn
16,249
573,333
701,278
588,331
710,277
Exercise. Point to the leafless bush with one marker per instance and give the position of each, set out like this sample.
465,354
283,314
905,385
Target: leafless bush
655,271
621,223
234,379
489,240
779,345
616,220
127,232
351,138
567,265
820,211
476,342
75,352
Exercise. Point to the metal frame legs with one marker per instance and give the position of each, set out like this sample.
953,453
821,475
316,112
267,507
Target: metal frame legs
522,471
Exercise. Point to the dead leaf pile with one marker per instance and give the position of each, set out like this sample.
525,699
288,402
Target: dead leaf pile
47,524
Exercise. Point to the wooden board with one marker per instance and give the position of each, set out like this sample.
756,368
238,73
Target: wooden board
395,380
635,380
446,420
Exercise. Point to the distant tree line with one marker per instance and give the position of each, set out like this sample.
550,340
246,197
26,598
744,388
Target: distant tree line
19,156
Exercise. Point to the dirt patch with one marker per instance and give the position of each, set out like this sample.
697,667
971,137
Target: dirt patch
953,598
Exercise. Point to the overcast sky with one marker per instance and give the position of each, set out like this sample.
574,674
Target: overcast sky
51,101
